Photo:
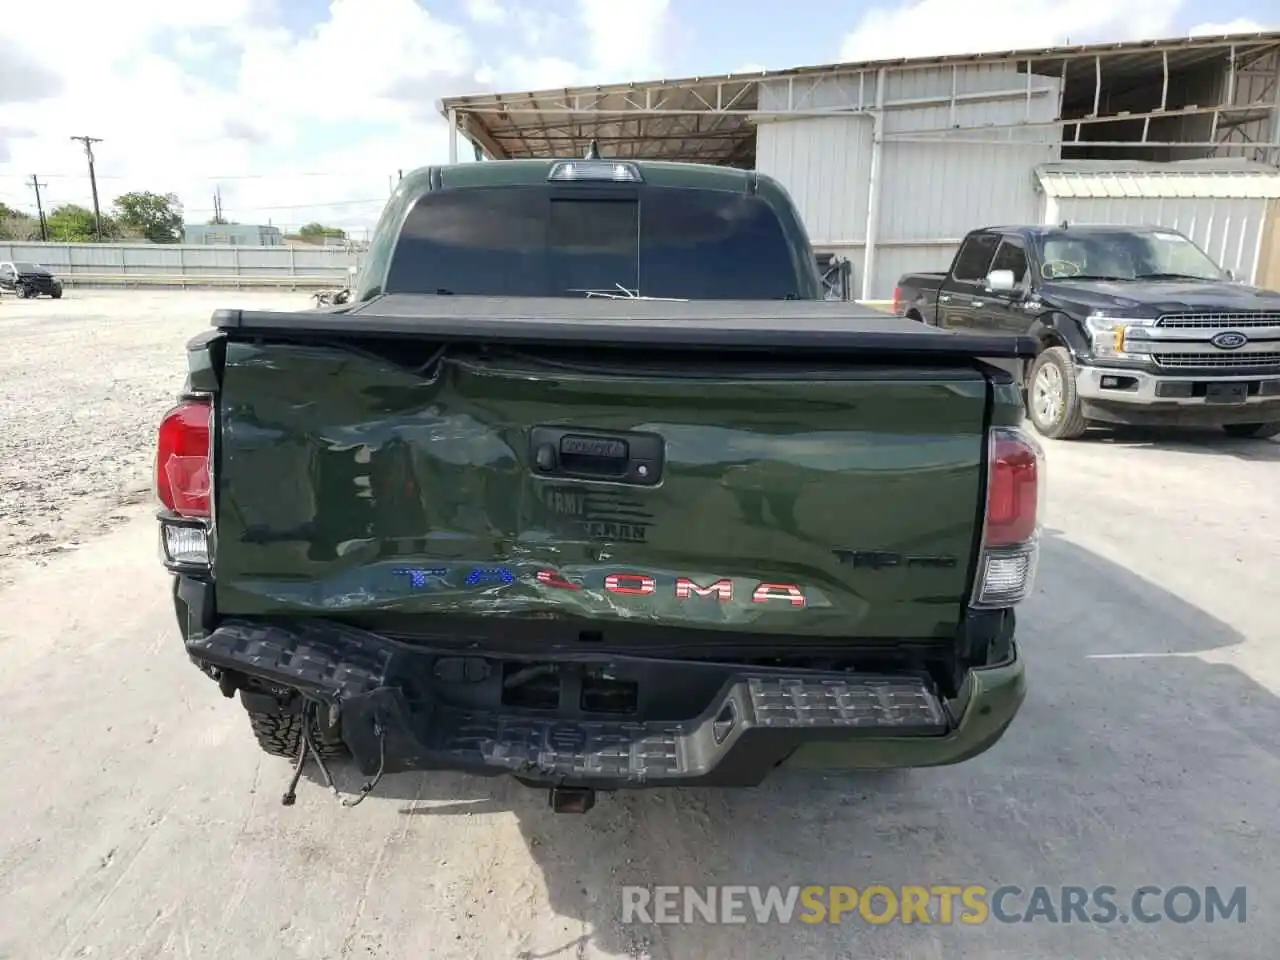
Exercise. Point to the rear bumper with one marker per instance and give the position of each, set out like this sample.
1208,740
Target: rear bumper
754,720
1132,396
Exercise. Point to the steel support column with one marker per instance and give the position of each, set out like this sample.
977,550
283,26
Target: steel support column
873,186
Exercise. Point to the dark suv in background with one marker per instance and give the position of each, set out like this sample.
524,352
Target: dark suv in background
29,280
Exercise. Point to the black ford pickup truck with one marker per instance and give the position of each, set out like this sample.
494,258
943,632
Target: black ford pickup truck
1135,326
588,485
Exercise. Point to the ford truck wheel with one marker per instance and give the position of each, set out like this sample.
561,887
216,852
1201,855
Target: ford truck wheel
1258,431
1052,402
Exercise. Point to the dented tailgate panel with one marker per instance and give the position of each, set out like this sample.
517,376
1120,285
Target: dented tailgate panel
836,503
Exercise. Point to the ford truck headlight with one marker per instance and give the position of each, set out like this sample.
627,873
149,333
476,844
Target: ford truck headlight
1118,338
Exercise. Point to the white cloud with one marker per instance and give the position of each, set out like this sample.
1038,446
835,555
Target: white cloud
1238,25
537,29
625,39
622,41
187,97
518,72
486,11
372,60
940,27
191,97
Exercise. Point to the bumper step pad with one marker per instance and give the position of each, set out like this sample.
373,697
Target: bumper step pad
566,749
783,702
645,751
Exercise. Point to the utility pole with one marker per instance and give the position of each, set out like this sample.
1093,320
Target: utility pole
44,231
93,183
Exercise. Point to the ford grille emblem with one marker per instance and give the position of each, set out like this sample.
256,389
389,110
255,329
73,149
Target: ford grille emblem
1229,340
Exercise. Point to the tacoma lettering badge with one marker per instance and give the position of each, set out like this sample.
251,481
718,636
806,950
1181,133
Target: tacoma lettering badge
623,583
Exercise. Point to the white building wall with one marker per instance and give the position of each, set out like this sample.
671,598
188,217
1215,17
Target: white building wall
931,192
824,163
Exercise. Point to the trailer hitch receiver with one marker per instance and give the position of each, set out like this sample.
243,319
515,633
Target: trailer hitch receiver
572,799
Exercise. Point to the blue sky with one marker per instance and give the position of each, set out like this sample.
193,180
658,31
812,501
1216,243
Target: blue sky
302,109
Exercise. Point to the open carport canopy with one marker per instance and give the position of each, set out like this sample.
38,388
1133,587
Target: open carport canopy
712,119
695,120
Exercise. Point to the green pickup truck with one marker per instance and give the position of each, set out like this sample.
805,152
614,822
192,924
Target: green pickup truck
590,486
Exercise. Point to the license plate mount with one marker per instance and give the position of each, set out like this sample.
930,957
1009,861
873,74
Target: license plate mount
1226,392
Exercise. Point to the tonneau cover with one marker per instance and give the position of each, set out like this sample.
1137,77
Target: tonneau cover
790,325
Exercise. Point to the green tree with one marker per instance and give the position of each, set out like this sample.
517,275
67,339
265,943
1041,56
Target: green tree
16,225
318,233
72,223
156,217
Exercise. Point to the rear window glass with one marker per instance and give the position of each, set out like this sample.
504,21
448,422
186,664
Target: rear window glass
1011,256
974,256
535,242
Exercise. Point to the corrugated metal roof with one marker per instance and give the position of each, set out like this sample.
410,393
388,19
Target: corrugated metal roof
1191,178
658,119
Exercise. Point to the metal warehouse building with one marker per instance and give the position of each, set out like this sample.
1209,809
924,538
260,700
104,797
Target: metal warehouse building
892,162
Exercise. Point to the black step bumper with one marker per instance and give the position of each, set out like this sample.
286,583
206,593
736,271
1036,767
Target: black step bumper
754,721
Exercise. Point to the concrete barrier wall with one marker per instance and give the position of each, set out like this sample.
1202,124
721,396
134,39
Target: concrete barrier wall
187,265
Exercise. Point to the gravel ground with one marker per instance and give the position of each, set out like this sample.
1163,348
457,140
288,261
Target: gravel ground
83,383
143,821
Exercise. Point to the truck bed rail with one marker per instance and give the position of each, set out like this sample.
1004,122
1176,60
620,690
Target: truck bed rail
785,325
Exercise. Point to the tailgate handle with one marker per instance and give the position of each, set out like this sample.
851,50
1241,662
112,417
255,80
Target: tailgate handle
619,456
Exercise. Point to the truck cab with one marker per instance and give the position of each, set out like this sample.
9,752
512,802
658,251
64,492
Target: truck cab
1136,325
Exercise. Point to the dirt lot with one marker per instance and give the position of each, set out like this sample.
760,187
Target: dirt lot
142,821
83,383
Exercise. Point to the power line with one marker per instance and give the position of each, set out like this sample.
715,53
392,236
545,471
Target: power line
281,176
61,176
295,206
221,176
36,185
93,183
314,205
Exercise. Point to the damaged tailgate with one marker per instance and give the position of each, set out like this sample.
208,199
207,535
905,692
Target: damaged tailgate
790,470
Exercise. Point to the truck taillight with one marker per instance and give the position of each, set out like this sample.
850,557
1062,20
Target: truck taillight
182,459
897,300
1011,527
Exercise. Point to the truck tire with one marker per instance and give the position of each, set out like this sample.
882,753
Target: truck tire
1259,431
1053,406
279,734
